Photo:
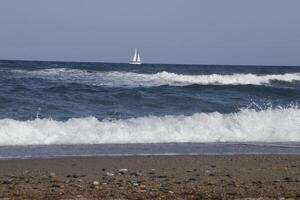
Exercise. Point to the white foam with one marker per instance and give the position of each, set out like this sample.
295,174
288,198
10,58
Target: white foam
130,79
271,125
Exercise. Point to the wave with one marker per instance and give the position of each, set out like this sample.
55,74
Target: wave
131,79
247,125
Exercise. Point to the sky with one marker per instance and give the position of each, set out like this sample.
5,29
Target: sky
238,32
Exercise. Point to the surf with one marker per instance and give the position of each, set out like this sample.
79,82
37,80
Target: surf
247,125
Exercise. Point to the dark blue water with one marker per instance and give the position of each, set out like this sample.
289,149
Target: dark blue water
51,103
78,90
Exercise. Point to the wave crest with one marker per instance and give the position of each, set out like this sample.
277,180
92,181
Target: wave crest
248,125
130,79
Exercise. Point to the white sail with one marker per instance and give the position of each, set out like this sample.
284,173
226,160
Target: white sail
136,58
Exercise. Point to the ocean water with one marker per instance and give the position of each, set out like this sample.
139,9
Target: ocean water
65,108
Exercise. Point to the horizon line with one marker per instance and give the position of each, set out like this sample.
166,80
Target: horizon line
109,62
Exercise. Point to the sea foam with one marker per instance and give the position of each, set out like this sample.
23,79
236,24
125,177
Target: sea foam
131,79
247,125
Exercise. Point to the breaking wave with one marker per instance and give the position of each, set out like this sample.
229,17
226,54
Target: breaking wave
131,79
247,125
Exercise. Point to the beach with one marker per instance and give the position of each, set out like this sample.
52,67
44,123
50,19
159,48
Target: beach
152,177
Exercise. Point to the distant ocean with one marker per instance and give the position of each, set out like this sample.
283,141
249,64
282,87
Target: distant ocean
64,108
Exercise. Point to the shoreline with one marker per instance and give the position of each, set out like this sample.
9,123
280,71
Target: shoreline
95,156
152,177
163,149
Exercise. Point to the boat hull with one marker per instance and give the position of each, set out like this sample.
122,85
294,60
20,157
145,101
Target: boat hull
135,63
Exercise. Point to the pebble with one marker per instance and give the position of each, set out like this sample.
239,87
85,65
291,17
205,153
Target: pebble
143,186
288,179
161,176
135,184
55,185
75,176
7,181
68,181
52,175
79,186
96,183
123,170
135,174
110,174
171,192
233,193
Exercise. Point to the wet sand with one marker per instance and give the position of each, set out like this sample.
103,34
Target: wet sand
152,177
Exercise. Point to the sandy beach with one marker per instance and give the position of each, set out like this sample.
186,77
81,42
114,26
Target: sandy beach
152,177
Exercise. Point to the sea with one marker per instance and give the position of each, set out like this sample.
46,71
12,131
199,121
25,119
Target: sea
57,109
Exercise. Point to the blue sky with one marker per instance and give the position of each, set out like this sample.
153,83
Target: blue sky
166,31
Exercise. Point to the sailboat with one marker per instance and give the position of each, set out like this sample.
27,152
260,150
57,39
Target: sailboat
136,60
